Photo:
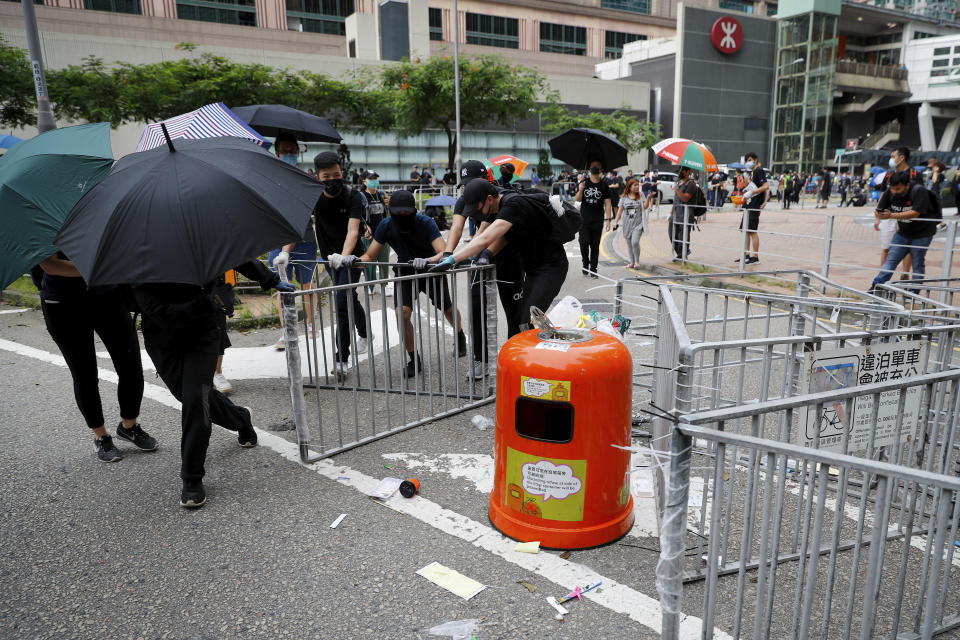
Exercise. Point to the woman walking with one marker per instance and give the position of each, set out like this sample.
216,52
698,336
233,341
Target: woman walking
631,216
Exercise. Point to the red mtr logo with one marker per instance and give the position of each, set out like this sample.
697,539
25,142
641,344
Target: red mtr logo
727,35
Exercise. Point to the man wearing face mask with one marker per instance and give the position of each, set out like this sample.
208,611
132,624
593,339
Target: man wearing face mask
303,253
596,208
507,171
376,213
899,162
754,198
416,240
337,218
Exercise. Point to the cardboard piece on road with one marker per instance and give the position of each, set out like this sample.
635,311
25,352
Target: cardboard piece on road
386,488
451,580
528,547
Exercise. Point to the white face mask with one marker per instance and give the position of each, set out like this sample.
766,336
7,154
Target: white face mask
893,163
750,164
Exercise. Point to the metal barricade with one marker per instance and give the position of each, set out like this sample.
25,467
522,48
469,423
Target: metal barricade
368,396
808,542
928,300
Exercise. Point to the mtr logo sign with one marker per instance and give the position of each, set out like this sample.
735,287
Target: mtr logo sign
727,35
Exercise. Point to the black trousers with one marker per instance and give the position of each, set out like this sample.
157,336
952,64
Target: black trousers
676,231
510,279
188,375
541,285
72,324
590,234
344,331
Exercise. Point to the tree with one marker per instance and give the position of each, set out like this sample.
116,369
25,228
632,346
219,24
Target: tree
492,91
634,133
17,97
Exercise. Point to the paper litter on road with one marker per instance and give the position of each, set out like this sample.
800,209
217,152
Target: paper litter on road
561,610
386,488
338,520
451,580
528,547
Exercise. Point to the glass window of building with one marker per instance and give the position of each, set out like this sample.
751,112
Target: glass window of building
941,51
737,5
117,6
493,31
242,12
320,16
614,41
562,38
436,24
636,6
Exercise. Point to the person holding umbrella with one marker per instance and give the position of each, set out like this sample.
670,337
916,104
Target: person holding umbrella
596,207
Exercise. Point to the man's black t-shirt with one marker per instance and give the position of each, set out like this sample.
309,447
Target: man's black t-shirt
415,242
332,217
591,207
616,187
415,177
529,232
917,199
825,182
916,178
450,177
758,178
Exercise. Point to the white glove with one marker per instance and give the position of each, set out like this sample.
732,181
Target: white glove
335,260
281,261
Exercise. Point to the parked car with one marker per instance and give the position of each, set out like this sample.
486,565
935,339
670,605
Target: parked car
667,185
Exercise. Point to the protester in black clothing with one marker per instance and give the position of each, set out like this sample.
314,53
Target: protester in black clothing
754,198
544,260
337,218
823,196
843,183
73,314
416,239
615,182
509,272
596,209
507,171
450,177
426,178
681,215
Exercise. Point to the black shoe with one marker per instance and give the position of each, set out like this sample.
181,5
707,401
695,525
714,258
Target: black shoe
106,452
192,495
246,434
140,438
461,344
584,272
413,366
594,276
752,260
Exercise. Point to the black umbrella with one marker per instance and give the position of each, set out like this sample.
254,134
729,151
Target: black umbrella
579,147
271,119
188,214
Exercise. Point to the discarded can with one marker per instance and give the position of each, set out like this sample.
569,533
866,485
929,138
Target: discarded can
409,488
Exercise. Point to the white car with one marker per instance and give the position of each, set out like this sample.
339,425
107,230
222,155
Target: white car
667,185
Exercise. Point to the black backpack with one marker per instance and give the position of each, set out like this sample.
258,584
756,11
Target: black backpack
563,228
698,203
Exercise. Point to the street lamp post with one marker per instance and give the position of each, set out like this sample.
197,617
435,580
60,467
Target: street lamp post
45,121
456,83
773,108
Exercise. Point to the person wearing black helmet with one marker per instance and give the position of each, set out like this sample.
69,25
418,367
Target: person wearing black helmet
508,268
544,260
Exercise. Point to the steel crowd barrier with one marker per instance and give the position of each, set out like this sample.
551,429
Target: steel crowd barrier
371,397
806,542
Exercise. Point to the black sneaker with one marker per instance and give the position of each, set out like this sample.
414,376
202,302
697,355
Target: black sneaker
246,434
752,260
413,366
140,438
192,495
461,344
106,452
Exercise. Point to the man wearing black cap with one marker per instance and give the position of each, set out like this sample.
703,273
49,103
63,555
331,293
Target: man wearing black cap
376,213
544,260
416,240
337,218
509,273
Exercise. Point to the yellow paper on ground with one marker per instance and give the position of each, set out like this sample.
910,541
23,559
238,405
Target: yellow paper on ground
451,580
528,547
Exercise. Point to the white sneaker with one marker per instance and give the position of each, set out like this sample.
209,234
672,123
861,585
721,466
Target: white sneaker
340,370
361,346
281,343
477,370
221,384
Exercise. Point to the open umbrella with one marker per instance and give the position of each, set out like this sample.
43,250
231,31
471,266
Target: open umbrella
209,121
41,179
579,147
736,165
271,119
186,214
493,166
686,153
878,178
875,169
441,201
7,141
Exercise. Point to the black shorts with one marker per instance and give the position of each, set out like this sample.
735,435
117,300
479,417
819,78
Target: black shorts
435,288
753,219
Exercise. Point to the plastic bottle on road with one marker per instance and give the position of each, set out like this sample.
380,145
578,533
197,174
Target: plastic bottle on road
481,422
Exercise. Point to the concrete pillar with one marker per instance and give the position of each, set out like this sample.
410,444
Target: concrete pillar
949,138
418,27
159,8
363,30
271,14
928,140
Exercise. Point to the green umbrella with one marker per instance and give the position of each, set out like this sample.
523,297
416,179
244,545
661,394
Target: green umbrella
40,181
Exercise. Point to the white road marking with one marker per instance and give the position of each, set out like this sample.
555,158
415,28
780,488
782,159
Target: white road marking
5,311
614,596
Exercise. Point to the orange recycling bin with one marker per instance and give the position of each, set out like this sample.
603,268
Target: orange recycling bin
561,405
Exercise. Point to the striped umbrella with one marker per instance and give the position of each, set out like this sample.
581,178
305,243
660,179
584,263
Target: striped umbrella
209,121
686,153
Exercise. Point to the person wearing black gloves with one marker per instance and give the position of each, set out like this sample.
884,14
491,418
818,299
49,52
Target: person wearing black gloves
544,259
73,313
509,270
182,338
416,240
596,208
337,218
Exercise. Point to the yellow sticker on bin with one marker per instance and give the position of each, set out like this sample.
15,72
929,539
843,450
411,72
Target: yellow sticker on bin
558,390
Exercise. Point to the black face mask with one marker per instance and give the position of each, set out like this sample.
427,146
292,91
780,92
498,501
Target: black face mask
507,176
595,171
404,221
333,186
